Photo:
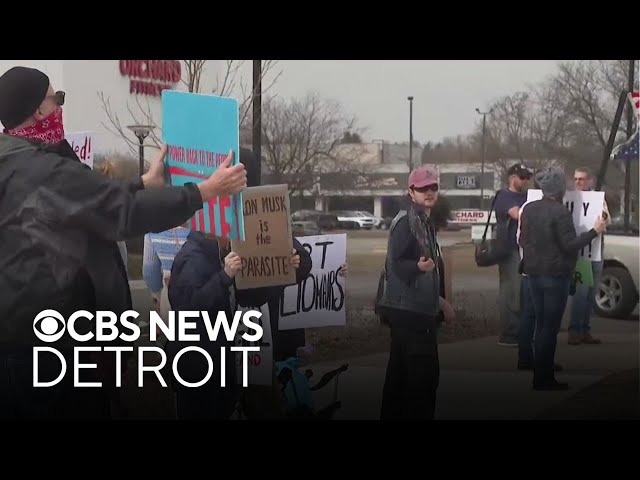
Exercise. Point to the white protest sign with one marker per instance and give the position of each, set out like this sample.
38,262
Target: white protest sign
585,207
259,364
319,301
83,146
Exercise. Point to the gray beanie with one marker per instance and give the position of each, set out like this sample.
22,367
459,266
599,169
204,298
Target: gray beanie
552,181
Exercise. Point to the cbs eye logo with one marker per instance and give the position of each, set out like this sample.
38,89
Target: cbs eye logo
49,326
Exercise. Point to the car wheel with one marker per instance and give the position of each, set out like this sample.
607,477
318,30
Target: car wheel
616,295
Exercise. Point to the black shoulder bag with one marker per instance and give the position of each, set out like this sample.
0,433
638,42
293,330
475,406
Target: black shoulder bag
493,251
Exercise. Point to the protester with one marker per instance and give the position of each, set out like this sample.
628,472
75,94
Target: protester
584,296
61,221
527,327
201,278
265,402
549,254
288,341
411,303
159,252
507,208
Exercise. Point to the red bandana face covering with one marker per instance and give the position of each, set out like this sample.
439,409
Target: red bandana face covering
49,130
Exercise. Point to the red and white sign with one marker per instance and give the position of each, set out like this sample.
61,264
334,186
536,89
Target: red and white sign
82,145
471,216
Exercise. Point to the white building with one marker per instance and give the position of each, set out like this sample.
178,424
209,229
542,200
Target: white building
131,88
376,179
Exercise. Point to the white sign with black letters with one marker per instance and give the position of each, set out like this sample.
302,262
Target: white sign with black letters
319,301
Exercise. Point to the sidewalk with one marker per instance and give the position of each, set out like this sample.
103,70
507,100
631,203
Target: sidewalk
479,380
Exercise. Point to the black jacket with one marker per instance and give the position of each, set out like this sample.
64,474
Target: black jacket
59,224
198,282
548,239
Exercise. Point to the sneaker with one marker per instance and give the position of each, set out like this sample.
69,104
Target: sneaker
590,340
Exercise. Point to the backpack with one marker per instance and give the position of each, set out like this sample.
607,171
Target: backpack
296,390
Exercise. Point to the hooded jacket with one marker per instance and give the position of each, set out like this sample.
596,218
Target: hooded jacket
59,224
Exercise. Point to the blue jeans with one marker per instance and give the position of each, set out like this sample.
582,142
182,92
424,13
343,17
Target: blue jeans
509,297
527,324
549,296
582,303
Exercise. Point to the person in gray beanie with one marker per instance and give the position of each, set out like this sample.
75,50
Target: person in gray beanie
549,255
552,182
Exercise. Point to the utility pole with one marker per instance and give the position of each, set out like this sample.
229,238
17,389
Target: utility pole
627,163
257,115
484,131
410,134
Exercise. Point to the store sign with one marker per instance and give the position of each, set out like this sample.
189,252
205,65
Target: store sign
471,216
466,182
150,77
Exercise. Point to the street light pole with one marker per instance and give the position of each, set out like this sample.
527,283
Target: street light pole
484,131
142,132
141,154
410,133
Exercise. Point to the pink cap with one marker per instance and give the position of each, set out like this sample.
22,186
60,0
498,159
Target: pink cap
421,177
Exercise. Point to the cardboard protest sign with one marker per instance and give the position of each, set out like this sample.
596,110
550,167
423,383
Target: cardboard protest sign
82,145
260,363
585,207
266,251
200,131
319,301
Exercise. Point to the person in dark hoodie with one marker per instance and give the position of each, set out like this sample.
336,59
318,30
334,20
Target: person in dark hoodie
202,278
549,255
60,223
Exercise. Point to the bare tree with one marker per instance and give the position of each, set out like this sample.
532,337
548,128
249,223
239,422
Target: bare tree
194,69
302,138
228,83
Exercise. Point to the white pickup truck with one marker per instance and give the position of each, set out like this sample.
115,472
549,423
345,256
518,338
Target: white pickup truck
617,293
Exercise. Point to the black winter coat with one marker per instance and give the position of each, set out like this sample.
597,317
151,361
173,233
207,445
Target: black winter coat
198,282
59,224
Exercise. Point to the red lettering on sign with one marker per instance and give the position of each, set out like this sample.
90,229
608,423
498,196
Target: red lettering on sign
255,360
125,67
225,228
165,72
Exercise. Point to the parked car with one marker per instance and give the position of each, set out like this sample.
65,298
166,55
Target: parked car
617,293
354,219
324,220
377,221
301,229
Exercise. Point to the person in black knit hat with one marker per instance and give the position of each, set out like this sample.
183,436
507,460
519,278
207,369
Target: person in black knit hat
60,224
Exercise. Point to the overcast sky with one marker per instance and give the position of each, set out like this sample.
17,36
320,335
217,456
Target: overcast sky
446,92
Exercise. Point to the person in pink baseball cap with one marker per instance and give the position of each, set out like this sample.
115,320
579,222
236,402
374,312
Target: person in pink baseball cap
411,302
